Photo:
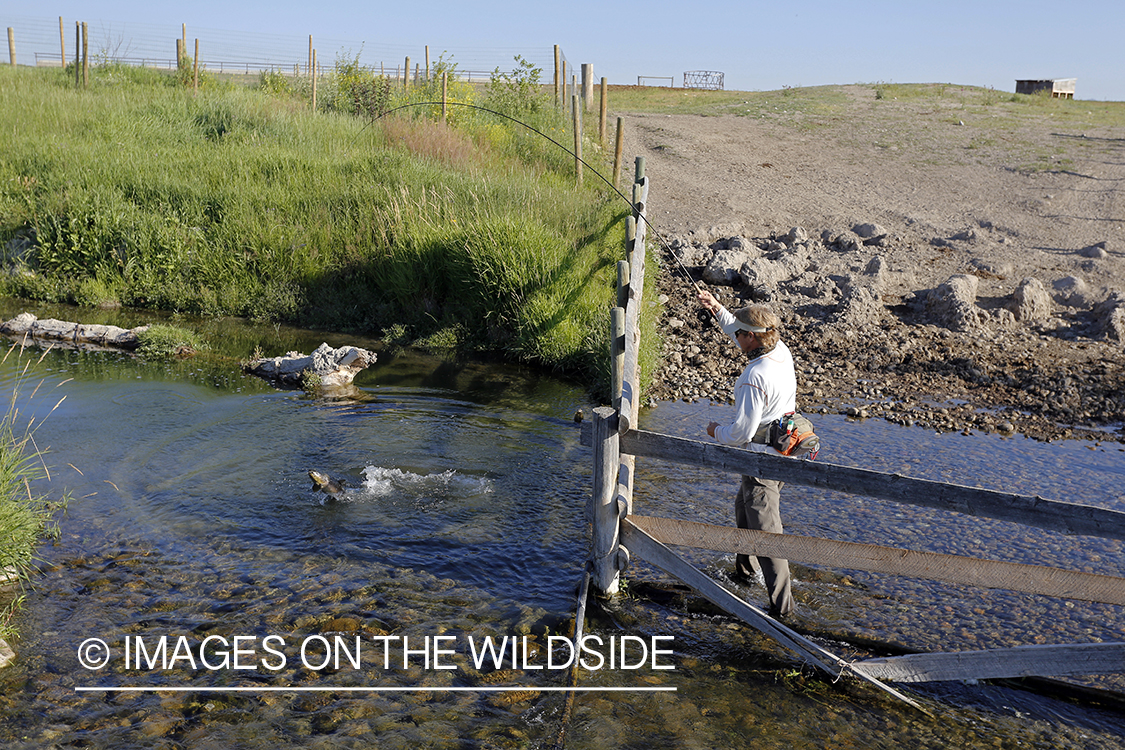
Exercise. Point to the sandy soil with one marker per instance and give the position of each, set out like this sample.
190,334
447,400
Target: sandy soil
959,190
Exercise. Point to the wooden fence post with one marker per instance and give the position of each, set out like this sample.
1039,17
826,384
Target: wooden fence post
85,55
406,74
77,61
195,68
313,76
308,65
618,148
62,42
616,354
602,114
587,86
565,97
444,94
558,100
12,45
603,512
427,63
577,141
623,279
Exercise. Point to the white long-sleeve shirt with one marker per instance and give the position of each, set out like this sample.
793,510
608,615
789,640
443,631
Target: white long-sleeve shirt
764,392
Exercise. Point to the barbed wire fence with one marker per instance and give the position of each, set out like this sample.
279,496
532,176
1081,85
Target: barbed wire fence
51,42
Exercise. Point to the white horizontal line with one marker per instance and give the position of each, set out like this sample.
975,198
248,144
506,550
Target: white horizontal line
273,689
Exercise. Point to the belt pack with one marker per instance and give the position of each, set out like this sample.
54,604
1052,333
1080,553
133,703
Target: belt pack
793,435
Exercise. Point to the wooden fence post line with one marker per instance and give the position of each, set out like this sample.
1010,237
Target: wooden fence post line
640,169
85,55
587,86
195,68
618,149
558,100
12,45
603,513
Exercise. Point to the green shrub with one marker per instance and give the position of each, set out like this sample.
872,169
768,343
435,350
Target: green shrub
165,342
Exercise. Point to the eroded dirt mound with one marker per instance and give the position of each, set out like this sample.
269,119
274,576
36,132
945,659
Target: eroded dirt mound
925,273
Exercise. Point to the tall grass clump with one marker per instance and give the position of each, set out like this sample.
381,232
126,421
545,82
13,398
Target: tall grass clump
26,517
240,201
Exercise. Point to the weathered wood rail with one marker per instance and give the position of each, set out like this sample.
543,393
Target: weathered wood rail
617,534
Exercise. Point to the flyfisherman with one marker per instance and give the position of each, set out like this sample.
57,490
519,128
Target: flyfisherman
764,393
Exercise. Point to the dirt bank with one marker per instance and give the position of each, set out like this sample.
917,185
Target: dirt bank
1022,203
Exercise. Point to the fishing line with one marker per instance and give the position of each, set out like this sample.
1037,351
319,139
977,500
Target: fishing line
667,248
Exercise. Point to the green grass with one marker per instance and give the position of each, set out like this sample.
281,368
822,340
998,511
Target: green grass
244,202
25,515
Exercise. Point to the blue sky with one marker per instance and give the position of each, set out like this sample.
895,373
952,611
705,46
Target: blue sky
756,45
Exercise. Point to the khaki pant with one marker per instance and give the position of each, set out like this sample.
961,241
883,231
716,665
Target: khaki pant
758,506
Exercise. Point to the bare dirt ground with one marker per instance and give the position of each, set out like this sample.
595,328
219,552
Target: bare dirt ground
992,190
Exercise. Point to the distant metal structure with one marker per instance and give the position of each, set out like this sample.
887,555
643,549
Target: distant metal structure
1059,88
703,79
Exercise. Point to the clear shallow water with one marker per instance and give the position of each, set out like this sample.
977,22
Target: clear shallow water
193,516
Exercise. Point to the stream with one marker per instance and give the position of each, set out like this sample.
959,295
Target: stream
202,594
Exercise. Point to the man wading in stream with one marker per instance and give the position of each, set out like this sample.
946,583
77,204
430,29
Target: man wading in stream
764,392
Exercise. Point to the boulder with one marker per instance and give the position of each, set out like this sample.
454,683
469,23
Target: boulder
1070,291
729,257
1030,301
1109,317
325,367
953,304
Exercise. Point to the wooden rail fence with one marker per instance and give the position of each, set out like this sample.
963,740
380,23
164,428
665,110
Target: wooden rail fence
617,534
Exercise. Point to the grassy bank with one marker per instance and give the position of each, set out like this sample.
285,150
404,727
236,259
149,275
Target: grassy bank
243,202
25,516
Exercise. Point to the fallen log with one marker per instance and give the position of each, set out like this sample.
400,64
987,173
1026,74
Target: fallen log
27,326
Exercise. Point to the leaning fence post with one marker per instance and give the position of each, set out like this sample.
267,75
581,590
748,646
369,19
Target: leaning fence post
603,513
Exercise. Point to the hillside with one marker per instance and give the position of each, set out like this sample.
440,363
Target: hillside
989,187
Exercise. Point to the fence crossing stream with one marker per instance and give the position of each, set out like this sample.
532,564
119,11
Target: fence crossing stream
617,535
